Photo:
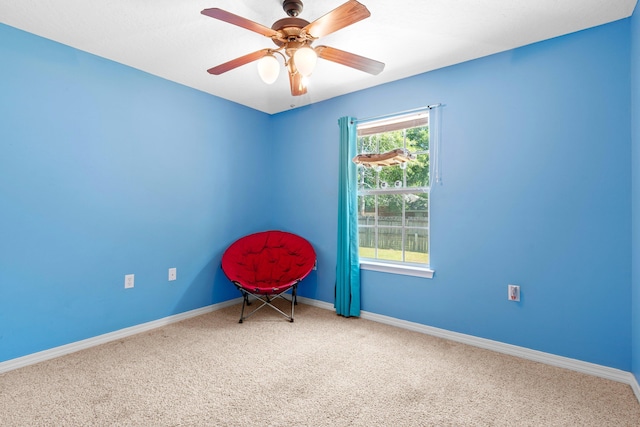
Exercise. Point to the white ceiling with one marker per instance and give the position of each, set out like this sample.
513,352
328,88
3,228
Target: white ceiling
171,39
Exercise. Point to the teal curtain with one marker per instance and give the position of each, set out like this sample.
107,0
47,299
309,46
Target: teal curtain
348,267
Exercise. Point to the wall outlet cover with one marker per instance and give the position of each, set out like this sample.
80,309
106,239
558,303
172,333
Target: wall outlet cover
514,293
129,280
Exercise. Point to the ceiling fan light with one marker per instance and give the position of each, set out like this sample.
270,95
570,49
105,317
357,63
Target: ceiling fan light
268,68
305,59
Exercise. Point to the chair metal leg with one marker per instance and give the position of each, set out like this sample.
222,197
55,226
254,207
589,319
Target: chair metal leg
267,301
294,300
245,301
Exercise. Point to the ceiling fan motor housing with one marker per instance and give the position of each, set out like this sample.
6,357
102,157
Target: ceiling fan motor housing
292,7
290,29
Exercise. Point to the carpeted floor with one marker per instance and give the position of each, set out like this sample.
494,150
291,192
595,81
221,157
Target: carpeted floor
321,370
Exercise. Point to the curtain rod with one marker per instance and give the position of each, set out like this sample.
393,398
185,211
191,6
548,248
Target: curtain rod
415,110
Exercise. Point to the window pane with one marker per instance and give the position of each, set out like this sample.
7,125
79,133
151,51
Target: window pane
390,209
367,144
367,242
418,139
366,226
390,243
417,209
366,178
366,210
391,176
418,171
416,242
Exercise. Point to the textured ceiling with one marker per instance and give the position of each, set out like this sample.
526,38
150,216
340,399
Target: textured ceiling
171,39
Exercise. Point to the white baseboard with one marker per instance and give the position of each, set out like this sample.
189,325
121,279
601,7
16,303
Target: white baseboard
316,303
513,350
52,353
635,387
525,353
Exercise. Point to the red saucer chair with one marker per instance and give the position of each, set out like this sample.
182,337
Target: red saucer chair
266,265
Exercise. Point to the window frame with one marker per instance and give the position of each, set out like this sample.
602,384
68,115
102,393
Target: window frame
391,123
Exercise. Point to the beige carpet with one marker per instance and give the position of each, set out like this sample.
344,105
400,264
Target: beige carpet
322,370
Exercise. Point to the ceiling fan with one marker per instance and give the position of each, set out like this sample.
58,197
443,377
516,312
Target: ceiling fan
294,37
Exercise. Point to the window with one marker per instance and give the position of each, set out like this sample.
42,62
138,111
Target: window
393,200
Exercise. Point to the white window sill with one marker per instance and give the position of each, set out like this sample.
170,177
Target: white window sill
397,269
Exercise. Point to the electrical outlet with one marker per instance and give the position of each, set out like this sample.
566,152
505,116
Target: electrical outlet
514,293
173,274
128,281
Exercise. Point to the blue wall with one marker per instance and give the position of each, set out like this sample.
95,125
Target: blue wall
537,192
106,171
635,164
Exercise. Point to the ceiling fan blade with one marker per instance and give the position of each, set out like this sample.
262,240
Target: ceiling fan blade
229,17
235,63
297,86
340,17
350,59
